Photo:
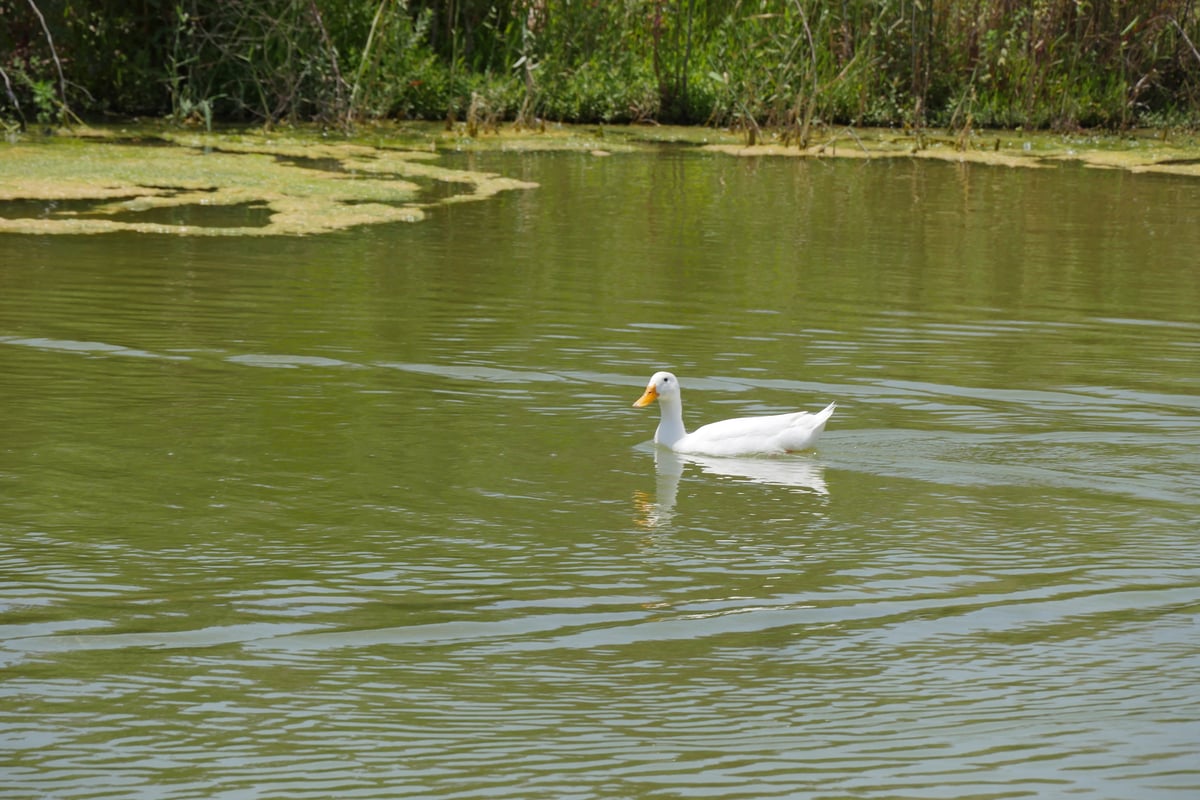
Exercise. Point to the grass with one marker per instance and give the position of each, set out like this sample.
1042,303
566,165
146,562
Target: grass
781,65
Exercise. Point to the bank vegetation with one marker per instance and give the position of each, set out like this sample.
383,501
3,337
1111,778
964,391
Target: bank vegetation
785,65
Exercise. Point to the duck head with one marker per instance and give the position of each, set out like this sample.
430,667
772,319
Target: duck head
662,385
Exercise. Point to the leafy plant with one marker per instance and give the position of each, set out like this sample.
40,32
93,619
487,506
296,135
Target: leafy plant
789,64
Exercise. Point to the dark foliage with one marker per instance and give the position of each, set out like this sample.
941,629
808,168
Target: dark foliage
785,63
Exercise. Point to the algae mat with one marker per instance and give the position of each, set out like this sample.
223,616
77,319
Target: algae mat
1140,153
259,183
271,186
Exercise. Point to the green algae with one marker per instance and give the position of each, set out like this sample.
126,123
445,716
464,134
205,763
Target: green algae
1143,152
96,184
1134,151
105,180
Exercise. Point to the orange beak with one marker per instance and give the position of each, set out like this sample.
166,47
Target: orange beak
647,398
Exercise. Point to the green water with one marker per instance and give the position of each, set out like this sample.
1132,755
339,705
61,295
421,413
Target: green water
369,515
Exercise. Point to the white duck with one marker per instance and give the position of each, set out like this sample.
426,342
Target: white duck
780,433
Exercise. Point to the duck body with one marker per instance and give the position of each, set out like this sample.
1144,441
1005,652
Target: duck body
778,433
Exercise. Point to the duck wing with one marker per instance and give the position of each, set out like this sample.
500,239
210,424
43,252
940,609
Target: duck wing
779,433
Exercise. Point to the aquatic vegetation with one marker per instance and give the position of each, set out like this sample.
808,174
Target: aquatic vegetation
97,186
775,64
252,183
998,148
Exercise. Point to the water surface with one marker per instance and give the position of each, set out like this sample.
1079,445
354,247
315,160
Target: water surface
370,515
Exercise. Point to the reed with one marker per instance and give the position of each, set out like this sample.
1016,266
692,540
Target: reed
791,65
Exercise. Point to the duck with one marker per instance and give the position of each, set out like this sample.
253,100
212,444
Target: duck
744,436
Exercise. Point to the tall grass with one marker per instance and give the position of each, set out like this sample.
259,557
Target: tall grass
787,64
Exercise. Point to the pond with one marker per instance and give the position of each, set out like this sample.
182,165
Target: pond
369,514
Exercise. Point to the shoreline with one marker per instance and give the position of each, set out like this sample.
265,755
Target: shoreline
303,180
1137,151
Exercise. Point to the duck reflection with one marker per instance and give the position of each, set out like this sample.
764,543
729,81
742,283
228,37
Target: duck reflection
795,473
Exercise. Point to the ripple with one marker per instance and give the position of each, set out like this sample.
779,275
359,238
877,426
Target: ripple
287,361
87,348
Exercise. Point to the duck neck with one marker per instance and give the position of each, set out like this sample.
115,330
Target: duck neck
670,428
